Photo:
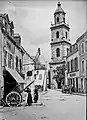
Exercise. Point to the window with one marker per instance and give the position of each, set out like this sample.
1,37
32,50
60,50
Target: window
71,48
86,46
86,66
63,19
82,48
57,19
6,25
76,63
82,66
29,73
40,77
13,62
57,34
71,65
20,65
5,58
9,60
66,35
11,31
67,51
82,83
68,67
16,63
57,52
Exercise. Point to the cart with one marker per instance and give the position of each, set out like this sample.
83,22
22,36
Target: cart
66,89
14,98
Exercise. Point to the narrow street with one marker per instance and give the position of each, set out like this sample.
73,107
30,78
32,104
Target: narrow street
57,106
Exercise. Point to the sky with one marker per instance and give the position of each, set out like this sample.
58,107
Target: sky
32,20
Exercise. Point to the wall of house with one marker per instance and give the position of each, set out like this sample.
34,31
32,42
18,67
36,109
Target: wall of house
73,75
83,57
27,65
9,49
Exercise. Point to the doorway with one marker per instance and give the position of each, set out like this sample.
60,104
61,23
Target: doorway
76,84
9,83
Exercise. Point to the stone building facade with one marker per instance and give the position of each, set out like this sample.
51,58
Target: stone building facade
28,64
60,41
73,67
77,64
11,57
82,47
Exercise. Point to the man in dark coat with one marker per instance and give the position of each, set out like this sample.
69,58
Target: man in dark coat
29,98
35,95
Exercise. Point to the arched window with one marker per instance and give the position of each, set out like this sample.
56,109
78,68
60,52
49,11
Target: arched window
57,19
57,34
86,46
66,35
63,19
57,52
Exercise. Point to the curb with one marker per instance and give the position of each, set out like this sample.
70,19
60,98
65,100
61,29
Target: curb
44,93
81,94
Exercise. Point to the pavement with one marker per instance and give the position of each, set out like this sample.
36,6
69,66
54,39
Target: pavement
74,93
52,105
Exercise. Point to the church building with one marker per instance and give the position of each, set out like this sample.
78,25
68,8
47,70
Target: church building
60,42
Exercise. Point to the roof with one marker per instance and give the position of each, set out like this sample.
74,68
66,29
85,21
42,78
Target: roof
27,53
82,36
59,9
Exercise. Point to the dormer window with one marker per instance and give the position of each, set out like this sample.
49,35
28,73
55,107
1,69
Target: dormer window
57,19
57,34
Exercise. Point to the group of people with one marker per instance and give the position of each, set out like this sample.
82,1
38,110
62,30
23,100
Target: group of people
30,100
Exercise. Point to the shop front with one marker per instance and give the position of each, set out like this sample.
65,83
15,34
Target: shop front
74,80
11,80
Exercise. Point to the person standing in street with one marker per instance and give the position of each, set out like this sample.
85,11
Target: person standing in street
35,95
29,97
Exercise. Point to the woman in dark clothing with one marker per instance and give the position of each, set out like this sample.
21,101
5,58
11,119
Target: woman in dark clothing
29,98
35,95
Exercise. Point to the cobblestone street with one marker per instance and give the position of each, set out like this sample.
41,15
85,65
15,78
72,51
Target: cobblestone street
57,106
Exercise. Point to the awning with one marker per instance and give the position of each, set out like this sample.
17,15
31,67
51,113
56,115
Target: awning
15,75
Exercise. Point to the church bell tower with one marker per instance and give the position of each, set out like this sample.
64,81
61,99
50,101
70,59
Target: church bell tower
60,39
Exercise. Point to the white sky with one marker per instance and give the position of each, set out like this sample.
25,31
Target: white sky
32,21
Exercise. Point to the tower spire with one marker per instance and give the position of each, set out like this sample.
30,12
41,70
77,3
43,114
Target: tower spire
59,5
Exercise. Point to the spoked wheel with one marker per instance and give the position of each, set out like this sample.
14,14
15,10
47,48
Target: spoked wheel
13,99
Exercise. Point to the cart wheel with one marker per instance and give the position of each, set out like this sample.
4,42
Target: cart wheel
13,99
